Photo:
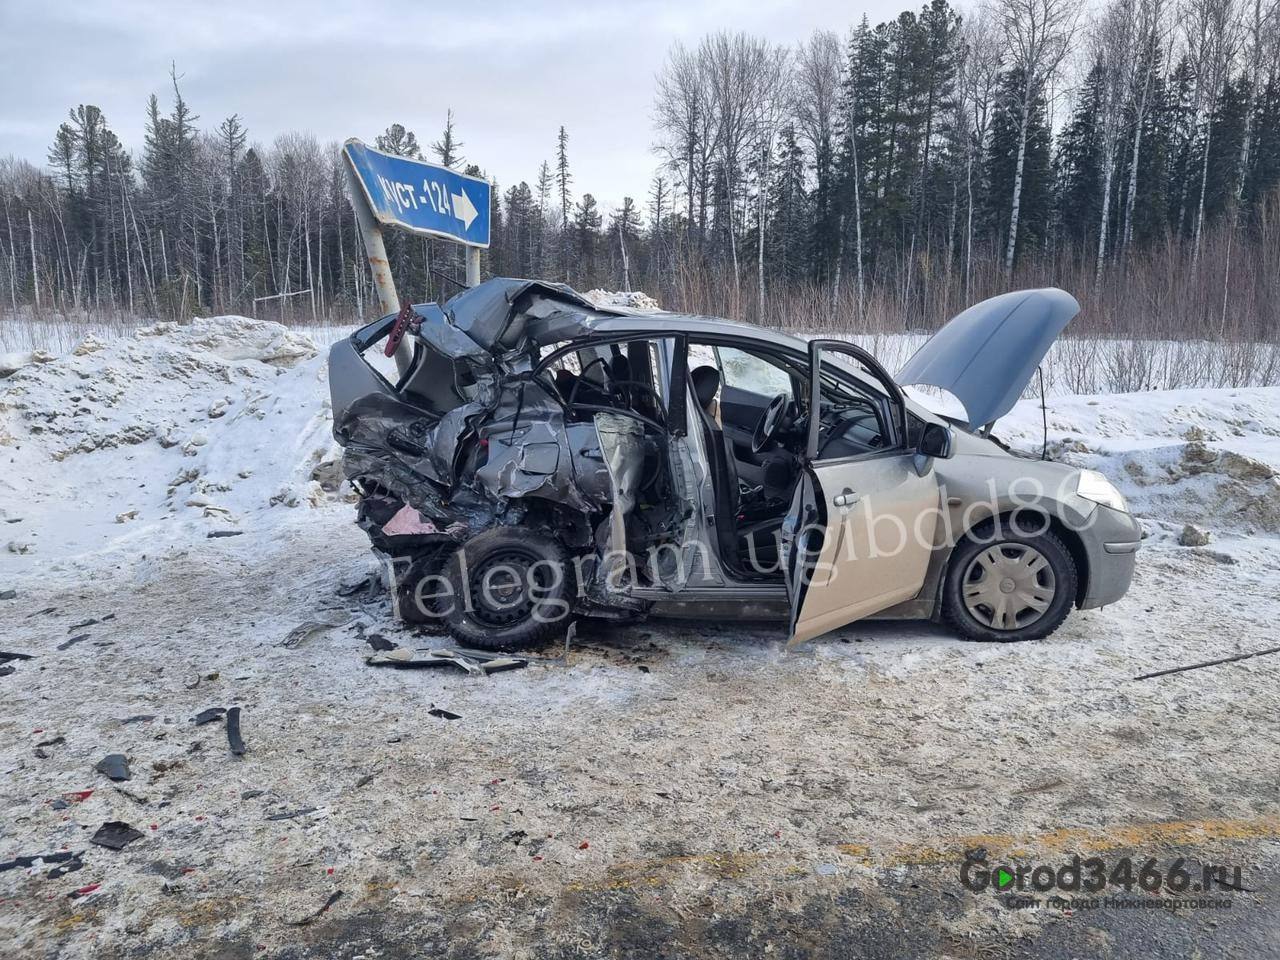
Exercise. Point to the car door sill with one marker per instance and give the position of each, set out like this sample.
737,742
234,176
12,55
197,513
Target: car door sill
729,592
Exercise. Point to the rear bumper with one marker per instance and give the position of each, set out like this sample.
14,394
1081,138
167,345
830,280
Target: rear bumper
1111,542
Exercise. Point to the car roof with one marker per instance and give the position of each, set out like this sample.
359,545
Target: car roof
660,323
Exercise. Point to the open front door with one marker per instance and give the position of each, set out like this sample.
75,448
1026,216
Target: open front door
862,524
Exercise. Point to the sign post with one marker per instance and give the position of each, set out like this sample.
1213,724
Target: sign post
422,198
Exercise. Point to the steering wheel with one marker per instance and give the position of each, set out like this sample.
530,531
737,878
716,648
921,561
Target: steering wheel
769,422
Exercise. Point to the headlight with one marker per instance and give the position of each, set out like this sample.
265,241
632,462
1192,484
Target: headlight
1094,486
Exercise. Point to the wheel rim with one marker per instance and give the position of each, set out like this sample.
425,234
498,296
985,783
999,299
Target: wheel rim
500,586
1009,586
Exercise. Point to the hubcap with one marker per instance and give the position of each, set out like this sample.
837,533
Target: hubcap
1008,586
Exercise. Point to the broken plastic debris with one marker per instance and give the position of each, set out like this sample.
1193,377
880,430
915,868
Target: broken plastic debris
291,814
379,643
333,898
24,863
208,716
67,644
472,661
92,621
115,835
443,714
65,865
234,739
305,631
115,766
84,891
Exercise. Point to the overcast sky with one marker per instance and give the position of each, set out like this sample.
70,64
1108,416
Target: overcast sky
513,72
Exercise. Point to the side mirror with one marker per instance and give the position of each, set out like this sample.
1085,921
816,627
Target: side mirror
935,441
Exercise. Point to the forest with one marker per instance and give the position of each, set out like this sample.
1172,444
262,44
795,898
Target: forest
875,177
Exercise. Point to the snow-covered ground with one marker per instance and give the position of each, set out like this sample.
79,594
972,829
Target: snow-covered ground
687,784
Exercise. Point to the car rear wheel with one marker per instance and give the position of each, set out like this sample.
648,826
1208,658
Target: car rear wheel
1009,583
510,587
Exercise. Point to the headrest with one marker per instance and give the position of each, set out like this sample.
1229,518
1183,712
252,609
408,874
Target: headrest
706,381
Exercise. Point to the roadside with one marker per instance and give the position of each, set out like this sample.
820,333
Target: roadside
171,523
678,782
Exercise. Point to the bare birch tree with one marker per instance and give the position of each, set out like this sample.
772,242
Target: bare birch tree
978,81
774,102
1037,35
1113,43
1213,36
1149,35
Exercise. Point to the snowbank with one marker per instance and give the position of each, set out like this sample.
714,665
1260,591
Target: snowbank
626,299
177,429
1209,457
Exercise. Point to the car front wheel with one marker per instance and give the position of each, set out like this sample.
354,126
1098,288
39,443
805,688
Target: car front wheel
1007,583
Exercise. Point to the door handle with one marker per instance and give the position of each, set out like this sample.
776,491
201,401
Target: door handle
847,498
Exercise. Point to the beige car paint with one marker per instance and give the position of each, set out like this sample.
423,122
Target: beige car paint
876,545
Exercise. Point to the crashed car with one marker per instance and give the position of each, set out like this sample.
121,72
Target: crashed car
533,457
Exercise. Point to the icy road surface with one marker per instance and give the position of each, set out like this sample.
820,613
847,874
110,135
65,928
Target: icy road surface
671,790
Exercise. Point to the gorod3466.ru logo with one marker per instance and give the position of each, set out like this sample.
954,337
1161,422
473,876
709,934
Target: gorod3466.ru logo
1092,875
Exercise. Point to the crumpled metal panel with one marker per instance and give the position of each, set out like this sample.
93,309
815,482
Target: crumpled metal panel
622,444
507,444
487,313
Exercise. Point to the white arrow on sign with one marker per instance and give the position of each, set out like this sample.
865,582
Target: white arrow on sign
464,209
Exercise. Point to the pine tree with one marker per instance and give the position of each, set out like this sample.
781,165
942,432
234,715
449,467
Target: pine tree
563,179
1078,168
448,146
586,234
790,210
398,141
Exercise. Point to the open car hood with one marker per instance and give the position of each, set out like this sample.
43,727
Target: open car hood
986,355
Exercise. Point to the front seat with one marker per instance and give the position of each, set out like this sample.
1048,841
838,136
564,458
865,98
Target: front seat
734,536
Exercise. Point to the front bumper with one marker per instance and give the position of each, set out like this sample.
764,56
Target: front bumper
1111,542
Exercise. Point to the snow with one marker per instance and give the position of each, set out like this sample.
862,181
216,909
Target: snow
711,781
626,299
173,432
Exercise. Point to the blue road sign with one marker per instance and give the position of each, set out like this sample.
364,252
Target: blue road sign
420,197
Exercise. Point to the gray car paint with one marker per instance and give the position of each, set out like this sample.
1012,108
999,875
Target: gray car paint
986,355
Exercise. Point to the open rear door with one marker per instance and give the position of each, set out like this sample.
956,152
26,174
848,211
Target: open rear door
861,528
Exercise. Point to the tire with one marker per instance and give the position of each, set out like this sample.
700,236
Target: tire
1009,583
511,588
415,590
